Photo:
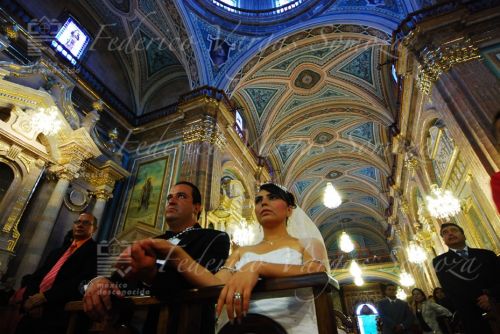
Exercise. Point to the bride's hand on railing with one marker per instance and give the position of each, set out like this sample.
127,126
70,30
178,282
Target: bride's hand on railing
237,292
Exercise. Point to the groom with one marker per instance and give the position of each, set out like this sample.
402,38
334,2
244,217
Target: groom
209,247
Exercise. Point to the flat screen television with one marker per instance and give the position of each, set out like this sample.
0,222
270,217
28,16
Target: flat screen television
71,41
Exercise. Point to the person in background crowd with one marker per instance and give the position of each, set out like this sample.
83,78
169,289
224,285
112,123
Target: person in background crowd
441,299
427,312
59,280
394,313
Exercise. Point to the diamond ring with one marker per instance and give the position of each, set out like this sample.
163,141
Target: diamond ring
237,296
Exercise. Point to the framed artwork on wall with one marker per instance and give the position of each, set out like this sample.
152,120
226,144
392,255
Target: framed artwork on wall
145,199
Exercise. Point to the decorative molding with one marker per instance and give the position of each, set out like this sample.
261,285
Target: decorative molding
204,130
435,62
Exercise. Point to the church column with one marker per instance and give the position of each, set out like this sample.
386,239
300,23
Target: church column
102,181
204,142
44,227
77,147
101,197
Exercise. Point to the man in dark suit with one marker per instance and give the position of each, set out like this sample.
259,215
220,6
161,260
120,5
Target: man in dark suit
209,247
469,276
59,280
396,315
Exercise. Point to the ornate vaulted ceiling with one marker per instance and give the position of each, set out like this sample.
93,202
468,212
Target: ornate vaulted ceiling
149,44
316,94
317,108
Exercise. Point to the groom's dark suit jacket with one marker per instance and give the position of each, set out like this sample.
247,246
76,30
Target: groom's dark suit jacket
465,279
208,247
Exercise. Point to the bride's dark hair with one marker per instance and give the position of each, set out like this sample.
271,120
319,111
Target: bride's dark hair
280,192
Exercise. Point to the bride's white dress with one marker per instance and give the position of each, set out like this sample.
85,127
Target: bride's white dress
295,313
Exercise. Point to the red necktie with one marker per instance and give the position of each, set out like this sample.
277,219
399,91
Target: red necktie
49,279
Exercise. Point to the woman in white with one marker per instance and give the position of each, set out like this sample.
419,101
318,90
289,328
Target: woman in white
427,312
284,250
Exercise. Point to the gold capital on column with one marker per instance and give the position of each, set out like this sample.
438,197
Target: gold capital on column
204,130
68,172
439,60
103,176
102,194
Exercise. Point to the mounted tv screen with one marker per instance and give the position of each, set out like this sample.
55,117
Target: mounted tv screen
71,40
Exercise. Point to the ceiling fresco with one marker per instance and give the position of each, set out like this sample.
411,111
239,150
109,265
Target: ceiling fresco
151,50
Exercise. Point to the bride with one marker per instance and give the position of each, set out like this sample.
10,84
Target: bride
291,245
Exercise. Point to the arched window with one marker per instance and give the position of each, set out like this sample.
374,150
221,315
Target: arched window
366,315
440,149
6,179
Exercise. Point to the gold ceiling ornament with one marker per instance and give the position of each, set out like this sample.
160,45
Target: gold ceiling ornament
204,130
436,61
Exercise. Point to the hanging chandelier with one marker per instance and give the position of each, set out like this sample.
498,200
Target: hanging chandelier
243,234
401,294
345,243
359,281
441,203
331,198
45,120
406,279
416,254
355,269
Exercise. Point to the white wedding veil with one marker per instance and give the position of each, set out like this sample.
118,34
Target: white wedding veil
300,226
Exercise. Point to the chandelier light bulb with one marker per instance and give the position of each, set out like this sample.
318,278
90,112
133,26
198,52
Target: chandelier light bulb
331,198
406,279
359,281
45,120
345,243
441,203
416,254
354,269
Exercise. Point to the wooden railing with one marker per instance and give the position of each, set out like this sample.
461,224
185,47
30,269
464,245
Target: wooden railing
190,303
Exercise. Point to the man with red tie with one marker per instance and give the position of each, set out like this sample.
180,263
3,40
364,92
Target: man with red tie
59,280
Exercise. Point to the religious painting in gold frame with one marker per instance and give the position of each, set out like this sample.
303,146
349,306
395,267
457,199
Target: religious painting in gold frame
146,192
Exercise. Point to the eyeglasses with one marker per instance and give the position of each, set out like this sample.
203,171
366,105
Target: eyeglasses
83,222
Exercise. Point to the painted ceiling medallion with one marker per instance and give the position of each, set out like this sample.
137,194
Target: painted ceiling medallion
334,174
323,138
307,79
